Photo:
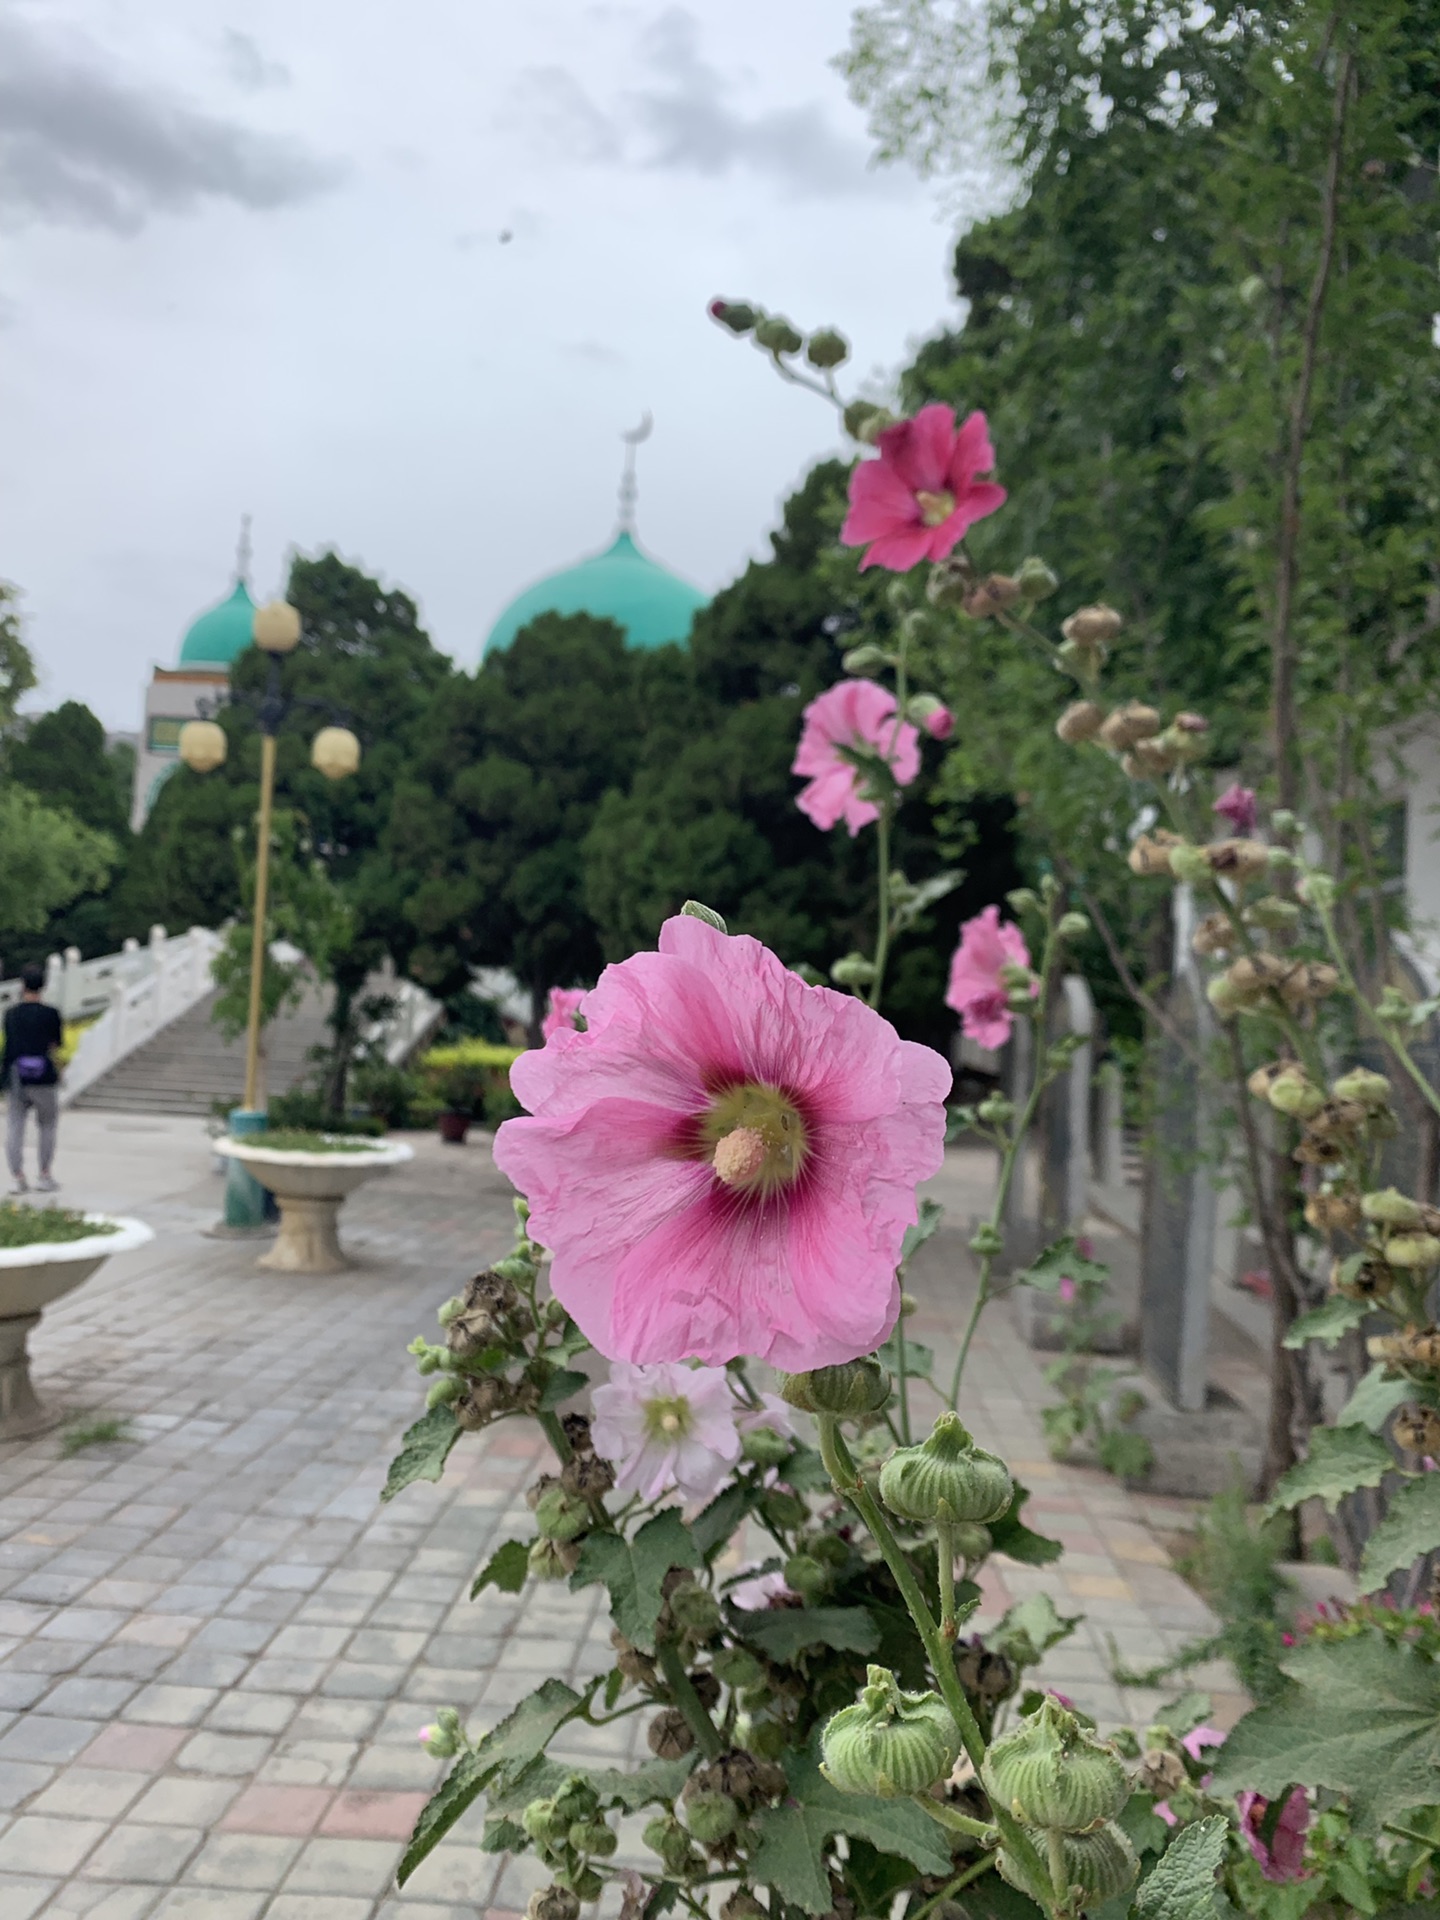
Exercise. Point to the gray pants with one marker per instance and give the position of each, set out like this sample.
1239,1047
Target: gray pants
46,1104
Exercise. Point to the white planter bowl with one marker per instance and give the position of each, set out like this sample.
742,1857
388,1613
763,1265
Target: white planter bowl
310,1188
30,1278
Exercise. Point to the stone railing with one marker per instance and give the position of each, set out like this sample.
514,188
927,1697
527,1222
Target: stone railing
127,996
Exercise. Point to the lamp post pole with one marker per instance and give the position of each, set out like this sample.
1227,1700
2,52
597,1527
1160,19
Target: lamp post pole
257,938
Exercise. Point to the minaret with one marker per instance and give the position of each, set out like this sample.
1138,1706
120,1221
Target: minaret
629,487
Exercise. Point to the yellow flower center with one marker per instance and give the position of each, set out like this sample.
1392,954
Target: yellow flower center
667,1418
757,1138
935,508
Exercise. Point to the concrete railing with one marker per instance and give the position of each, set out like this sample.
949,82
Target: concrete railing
417,1014
135,993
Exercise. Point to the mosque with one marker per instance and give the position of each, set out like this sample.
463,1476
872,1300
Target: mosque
652,605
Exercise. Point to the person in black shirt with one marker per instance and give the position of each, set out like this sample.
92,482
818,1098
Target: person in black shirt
28,1072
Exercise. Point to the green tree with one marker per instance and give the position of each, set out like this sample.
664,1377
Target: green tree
47,858
17,669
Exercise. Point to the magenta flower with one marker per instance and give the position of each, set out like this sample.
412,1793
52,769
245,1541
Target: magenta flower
843,726
976,990
1067,1290
667,1427
939,723
1284,1858
560,1012
725,1163
1237,806
1199,1739
924,493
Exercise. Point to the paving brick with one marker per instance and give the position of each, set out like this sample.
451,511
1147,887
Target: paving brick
87,1697
19,1779
43,1736
185,1803
163,1705
373,1816
122,1745
318,1906
344,1866
243,1860
21,1896
103,1902
277,1809
145,1853
252,1712
206,1903
37,1843
96,1793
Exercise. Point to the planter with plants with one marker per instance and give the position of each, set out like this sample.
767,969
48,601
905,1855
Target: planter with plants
45,1252
471,1082
311,1175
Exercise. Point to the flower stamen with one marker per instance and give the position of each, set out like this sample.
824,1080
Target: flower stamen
935,508
759,1139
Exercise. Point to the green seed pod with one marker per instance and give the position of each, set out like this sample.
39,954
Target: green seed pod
1035,579
737,1668
805,1575
560,1516
583,1882
546,1562
857,1387
765,1447
777,335
971,1541
889,1743
553,1903
1413,1250
1101,1864
711,1817
593,1838
1189,863
1370,1089
826,348
1392,1208
541,1822
695,1610
665,1835
948,1478
865,422
1293,1092
1052,1772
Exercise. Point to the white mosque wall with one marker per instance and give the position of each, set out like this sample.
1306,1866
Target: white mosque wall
174,695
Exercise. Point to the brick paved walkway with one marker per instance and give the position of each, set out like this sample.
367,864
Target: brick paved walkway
216,1647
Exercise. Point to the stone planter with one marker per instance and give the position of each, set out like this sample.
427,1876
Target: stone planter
310,1189
30,1278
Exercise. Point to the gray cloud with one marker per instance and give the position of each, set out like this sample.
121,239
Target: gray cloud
79,147
248,67
561,119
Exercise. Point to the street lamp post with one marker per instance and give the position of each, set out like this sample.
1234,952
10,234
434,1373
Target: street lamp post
335,752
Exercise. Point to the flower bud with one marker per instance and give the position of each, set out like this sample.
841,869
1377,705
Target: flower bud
1080,721
1417,1429
805,1575
665,1835
1101,1864
776,334
1413,1250
1128,723
1370,1089
857,1387
947,1478
987,1239
1052,1772
995,1110
696,910
1084,662
734,314
1293,1092
765,1447
711,1817
865,422
1189,864
866,659
924,710
449,1387
737,1667
971,1541
695,1610
854,970
992,595
1225,997
1035,580
1391,1208
1272,913
1319,891
553,1903
1073,926
1091,625
889,1743
826,348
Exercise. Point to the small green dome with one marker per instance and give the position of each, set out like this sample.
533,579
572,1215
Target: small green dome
622,584
222,632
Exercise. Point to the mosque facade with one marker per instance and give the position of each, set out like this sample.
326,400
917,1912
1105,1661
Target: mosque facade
195,685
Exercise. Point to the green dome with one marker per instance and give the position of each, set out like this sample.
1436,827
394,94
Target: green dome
622,584
220,633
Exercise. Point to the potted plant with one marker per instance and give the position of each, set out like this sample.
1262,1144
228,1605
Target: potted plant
311,1175
461,1094
45,1252
470,1080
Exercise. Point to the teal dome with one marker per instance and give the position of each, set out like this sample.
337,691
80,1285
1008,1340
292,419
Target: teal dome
622,584
222,632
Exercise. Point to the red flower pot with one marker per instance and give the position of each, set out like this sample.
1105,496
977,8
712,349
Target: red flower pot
454,1127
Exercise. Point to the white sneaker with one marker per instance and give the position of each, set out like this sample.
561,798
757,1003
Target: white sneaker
19,1184
47,1184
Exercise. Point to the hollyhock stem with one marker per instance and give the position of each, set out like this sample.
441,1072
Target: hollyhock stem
882,927
945,1564
850,1485
677,1682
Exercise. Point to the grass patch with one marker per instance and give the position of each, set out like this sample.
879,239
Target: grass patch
297,1140
97,1431
22,1226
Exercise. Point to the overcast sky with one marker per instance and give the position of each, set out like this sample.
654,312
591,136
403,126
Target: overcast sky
253,258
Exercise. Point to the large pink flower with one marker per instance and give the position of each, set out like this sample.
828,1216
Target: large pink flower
1284,1858
561,1010
976,991
725,1163
854,718
924,493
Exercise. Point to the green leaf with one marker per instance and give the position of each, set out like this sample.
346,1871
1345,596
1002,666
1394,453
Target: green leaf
657,1780
1182,1884
1410,1528
1327,1322
1129,1456
782,1632
806,1472
1031,1627
1184,1713
991,1898
1009,1535
1374,1400
713,1526
524,1734
794,1837
633,1570
1060,1262
423,1451
456,1794
562,1386
931,1214
875,1878
507,1568
1340,1461
1363,1718
919,1359
503,1835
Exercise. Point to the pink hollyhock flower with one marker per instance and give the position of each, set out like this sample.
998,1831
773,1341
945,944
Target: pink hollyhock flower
560,1012
1199,1738
939,723
1067,1290
667,1426
1284,1858
976,991
772,1412
754,1596
854,718
725,1163
924,493
1237,806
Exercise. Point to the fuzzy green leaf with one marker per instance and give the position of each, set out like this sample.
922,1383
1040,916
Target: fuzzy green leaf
1341,1460
562,1386
456,1794
713,1526
508,1568
931,1214
1363,1718
1182,1884
1411,1528
794,1837
1374,1400
655,1782
423,1451
1031,1627
782,1632
1009,1535
919,1359
1328,1321
633,1570
1058,1262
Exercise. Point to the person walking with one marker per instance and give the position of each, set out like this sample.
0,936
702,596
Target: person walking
33,1033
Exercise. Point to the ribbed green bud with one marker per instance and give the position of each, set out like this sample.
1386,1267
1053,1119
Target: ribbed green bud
805,1575
1413,1250
853,970
1052,1772
1035,580
1101,1864
860,1386
1293,1092
695,1610
865,659
947,1478
560,1516
665,1835
711,1816
1391,1208
1370,1089
1073,926
593,1839
776,334
737,1668
826,348
697,910
1189,863
971,1541
765,1447
889,1743
865,422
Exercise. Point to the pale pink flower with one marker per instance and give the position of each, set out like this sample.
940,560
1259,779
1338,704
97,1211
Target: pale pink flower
1237,806
666,1427
843,726
757,1594
924,493
1284,1858
725,1163
561,1010
772,1412
976,990
939,723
